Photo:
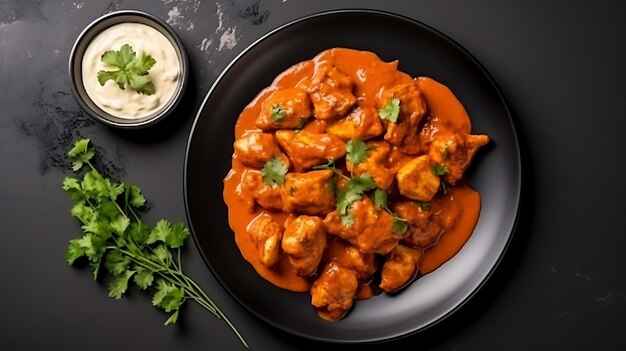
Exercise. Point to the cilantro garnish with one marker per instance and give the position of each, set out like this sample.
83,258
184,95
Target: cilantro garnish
399,225
424,206
380,201
132,69
330,164
277,114
354,189
274,171
390,111
440,170
114,237
356,151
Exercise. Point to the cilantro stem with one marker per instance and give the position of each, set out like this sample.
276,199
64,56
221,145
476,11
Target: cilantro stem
126,243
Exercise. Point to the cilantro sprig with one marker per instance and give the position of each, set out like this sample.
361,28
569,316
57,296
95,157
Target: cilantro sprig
391,111
132,69
277,113
352,192
274,171
114,237
356,151
380,201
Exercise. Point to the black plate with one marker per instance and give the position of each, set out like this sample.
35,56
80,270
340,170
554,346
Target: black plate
421,50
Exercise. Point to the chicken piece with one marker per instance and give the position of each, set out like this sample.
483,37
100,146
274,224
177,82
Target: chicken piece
253,189
371,228
400,268
417,179
284,108
362,123
405,132
304,242
348,256
375,164
333,293
456,153
307,149
254,148
266,234
330,91
310,193
424,228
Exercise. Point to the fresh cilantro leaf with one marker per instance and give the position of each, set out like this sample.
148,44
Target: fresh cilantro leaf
80,154
95,268
380,201
74,252
391,111
380,198
133,195
173,318
176,237
440,170
347,220
93,246
143,278
74,189
159,232
168,296
162,254
119,285
132,70
120,224
116,263
399,226
274,171
277,114
356,151
139,232
83,212
352,192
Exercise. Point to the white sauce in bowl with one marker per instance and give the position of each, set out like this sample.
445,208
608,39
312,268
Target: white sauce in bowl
127,103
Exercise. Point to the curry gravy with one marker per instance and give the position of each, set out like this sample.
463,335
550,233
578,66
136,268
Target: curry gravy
370,75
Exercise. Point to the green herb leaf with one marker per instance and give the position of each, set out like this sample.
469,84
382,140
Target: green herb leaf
277,114
391,111
274,172
328,165
380,198
143,278
74,251
440,170
113,232
168,296
399,226
116,263
352,192
119,285
356,151
132,70
424,206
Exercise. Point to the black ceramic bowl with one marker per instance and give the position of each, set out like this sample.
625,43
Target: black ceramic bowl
81,44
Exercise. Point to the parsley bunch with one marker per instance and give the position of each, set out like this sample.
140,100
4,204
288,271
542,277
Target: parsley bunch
115,237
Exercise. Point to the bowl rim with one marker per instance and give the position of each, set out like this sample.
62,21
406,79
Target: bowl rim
91,31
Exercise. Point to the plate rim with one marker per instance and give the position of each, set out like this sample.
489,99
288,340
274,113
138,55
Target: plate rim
518,189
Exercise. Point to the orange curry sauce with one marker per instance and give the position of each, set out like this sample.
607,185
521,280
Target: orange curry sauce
456,205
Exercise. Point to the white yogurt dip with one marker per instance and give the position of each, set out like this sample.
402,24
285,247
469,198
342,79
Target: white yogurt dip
127,103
